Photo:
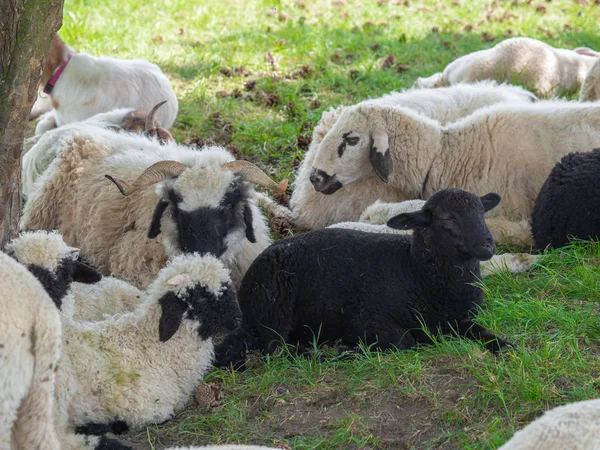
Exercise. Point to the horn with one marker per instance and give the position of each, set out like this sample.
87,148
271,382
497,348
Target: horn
149,124
152,175
255,175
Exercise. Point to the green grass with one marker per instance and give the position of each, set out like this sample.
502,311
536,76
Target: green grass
453,394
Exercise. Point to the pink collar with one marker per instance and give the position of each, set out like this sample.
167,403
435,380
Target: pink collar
56,75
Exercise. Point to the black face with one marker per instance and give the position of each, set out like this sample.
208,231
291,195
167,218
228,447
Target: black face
215,315
205,230
323,182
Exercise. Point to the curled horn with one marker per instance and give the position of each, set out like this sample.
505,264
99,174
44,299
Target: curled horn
152,175
255,175
149,124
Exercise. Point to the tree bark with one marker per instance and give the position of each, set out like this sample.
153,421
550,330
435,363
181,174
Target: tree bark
26,29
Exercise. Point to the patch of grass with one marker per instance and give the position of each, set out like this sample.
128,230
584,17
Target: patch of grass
449,395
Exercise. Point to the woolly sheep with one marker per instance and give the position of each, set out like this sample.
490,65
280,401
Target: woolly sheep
353,285
311,209
569,201
575,426
590,91
547,70
137,368
206,208
81,85
43,148
417,156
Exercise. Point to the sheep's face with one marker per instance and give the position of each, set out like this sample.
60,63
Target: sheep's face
52,262
207,211
351,150
451,224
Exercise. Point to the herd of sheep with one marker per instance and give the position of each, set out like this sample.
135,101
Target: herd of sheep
143,262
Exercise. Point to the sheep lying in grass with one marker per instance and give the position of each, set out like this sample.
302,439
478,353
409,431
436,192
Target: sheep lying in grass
203,203
575,426
81,85
311,209
45,147
417,156
569,201
547,70
381,288
590,91
138,368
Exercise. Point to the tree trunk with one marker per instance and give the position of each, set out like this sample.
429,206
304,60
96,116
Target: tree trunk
26,29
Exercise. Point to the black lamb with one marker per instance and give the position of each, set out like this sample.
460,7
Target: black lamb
569,202
379,288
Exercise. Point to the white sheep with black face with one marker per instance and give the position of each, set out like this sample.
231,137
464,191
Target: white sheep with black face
179,200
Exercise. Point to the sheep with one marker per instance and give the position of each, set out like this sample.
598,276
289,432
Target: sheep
569,201
382,288
575,426
81,85
509,149
590,90
202,203
137,368
44,148
547,70
311,209
30,334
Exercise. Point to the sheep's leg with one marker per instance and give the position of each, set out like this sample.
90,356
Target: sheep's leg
467,328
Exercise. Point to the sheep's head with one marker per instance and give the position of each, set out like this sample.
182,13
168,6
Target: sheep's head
356,147
205,208
196,288
451,223
142,121
52,262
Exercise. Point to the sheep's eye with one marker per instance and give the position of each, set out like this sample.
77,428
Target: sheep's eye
353,140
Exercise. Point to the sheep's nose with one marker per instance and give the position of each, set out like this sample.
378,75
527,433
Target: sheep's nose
323,182
316,176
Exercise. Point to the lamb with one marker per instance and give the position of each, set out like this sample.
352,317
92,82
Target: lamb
590,91
547,70
44,148
202,203
382,288
575,426
416,156
569,201
137,368
81,85
311,209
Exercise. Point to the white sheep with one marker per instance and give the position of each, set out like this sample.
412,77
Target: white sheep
42,149
81,85
590,91
30,336
575,426
547,70
138,368
311,209
201,203
506,148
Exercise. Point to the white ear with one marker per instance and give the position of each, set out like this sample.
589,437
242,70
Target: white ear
178,280
586,51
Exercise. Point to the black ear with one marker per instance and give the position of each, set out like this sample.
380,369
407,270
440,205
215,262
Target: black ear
173,310
489,201
410,221
82,273
379,156
248,221
154,229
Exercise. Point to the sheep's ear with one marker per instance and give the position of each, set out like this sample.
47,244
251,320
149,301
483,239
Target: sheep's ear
248,222
82,273
411,220
154,229
586,51
490,200
173,310
379,155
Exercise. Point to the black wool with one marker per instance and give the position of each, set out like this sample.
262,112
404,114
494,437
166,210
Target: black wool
569,202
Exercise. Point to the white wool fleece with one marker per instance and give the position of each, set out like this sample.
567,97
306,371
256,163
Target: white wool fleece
46,249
